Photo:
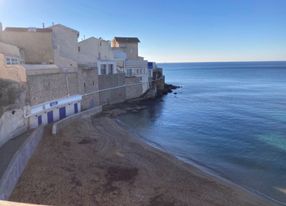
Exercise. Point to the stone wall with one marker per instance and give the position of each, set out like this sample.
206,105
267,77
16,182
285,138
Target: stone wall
133,87
88,85
46,87
111,96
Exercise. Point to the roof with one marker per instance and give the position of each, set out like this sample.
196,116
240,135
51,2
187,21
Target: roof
64,27
127,39
93,38
28,29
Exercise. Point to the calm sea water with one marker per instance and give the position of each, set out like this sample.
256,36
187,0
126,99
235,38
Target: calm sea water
228,117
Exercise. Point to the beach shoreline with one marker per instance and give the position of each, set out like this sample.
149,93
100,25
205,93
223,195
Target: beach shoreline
119,169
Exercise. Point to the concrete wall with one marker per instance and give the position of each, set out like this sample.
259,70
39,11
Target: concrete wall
114,95
65,46
36,45
63,123
46,87
18,163
133,87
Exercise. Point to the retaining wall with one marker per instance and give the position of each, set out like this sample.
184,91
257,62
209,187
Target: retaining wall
64,122
18,163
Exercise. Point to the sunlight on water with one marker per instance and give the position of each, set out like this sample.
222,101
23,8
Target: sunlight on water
274,140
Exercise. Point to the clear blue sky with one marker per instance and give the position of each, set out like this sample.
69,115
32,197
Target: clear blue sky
169,30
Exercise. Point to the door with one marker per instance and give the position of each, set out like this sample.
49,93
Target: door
75,108
40,120
62,112
50,117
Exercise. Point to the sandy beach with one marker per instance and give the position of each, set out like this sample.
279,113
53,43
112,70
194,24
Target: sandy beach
95,161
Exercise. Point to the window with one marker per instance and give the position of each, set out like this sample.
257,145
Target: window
99,55
12,60
78,48
129,72
103,69
8,60
110,68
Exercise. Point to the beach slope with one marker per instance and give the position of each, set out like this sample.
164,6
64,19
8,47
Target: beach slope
95,161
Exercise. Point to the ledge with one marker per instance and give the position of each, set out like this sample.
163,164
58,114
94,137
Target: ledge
64,122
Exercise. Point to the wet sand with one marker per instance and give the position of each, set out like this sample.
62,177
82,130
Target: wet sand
95,161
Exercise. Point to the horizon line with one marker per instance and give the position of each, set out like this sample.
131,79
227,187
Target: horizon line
186,62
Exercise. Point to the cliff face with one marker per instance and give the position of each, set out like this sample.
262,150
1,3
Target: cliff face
12,95
12,102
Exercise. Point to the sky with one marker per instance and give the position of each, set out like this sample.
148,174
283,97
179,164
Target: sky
169,30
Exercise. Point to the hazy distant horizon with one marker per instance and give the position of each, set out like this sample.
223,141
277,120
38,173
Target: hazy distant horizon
219,61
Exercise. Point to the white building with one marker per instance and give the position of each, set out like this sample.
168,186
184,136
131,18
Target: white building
125,51
98,53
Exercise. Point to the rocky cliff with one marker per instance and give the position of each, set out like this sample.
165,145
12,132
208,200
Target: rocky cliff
12,95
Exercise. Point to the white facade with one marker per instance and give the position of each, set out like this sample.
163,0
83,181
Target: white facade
52,111
125,51
106,67
97,52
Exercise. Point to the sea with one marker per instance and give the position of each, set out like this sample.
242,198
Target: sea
229,118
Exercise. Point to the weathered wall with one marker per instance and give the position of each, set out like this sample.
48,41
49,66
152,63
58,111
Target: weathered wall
36,46
18,163
8,49
65,45
46,87
131,49
115,95
93,49
11,72
88,83
12,123
133,87
12,102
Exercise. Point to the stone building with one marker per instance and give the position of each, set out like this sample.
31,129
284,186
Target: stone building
47,75
97,52
48,61
132,64
97,65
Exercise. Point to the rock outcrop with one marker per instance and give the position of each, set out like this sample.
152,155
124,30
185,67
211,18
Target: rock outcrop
12,102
